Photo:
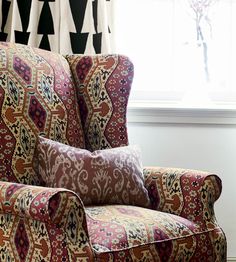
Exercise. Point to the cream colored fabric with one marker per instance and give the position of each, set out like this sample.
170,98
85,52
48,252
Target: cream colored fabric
64,24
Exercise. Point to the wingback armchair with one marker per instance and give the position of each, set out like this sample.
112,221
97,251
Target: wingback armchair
81,101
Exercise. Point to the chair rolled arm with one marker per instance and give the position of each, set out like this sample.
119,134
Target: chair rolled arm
187,193
59,211
38,203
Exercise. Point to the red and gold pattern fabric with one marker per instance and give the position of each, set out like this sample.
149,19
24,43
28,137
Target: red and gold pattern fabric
103,85
129,233
37,96
188,193
42,224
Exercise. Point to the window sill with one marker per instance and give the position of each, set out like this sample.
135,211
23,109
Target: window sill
150,113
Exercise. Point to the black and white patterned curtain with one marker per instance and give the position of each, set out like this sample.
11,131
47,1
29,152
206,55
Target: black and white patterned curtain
63,26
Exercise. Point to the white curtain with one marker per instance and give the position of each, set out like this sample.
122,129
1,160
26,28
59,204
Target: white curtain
64,26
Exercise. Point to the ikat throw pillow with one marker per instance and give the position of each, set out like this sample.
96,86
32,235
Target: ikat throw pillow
109,176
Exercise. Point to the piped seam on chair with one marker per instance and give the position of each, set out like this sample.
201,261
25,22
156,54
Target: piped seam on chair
158,241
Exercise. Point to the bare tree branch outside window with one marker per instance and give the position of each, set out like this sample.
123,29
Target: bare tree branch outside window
201,9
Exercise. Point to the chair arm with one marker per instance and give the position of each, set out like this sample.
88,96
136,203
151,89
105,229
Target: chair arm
57,210
187,193
39,203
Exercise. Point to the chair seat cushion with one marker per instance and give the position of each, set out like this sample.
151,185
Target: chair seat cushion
133,233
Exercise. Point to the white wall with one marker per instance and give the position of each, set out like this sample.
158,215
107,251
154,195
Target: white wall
207,147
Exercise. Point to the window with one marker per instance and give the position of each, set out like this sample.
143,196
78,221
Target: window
184,51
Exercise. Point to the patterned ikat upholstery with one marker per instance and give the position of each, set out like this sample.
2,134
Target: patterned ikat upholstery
103,86
38,97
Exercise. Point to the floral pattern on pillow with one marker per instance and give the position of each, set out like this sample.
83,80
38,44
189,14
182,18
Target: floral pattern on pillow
110,176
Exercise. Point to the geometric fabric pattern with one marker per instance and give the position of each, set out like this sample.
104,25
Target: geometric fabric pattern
103,86
131,233
42,224
37,96
46,224
62,26
187,193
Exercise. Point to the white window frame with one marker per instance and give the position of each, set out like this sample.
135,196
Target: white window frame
171,111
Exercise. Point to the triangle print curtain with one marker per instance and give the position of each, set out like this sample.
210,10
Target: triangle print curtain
63,26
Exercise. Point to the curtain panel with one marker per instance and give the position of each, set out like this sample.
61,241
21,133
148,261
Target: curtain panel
63,26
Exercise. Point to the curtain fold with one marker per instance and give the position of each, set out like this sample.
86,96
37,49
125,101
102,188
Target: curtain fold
63,26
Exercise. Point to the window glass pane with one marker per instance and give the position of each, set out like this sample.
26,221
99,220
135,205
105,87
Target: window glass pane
182,50
145,34
202,48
